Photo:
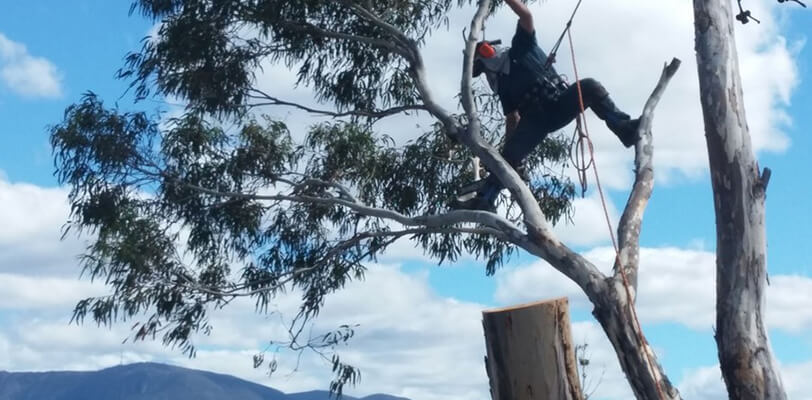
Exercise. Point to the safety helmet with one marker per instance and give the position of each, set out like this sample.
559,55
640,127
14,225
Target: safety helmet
484,50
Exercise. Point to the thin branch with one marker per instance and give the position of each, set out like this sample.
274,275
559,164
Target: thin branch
317,31
632,218
487,219
343,190
380,23
375,114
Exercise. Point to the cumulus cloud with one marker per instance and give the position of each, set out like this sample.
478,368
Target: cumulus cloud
705,383
675,286
410,341
29,236
22,292
25,74
588,226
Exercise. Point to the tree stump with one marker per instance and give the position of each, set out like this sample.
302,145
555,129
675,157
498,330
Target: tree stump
530,355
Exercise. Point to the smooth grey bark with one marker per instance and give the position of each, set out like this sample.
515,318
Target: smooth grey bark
746,359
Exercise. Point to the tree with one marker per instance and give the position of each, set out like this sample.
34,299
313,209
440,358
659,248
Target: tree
222,203
739,190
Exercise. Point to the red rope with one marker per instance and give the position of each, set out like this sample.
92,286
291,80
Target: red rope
585,136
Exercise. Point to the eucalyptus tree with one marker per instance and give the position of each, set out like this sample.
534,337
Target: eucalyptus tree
222,202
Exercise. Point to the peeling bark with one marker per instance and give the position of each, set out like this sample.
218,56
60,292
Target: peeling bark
748,366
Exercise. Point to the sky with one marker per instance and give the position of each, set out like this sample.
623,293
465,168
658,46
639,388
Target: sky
420,333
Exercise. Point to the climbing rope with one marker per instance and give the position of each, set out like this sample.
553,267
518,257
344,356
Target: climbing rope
578,156
585,141
554,50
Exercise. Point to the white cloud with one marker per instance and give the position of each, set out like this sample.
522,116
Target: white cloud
25,292
25,74
703,383
410,342
605,378
29,235
706,383
788,297
588,227
675,286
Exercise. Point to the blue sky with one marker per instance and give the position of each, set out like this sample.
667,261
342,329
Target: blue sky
79,45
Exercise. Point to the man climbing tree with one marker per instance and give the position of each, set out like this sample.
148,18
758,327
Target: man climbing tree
535,99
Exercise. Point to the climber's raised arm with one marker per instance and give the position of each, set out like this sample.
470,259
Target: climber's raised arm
525,17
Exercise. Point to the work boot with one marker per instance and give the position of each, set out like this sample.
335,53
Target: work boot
477,203
617,121
625,130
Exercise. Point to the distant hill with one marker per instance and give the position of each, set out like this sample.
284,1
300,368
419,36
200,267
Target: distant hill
145,381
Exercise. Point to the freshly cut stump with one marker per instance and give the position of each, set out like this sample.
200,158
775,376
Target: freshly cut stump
530,355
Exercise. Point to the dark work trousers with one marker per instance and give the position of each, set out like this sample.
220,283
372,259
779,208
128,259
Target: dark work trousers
543,117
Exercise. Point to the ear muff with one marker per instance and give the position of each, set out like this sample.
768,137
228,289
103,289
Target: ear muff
485,50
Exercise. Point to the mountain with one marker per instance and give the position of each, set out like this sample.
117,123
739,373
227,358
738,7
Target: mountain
145,381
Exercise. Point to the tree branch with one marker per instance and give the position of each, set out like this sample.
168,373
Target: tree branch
418,73
380,23
317,31
375,114
632,218
509,231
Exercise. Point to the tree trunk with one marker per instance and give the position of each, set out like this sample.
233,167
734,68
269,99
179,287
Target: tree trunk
637,359
746,359
530,352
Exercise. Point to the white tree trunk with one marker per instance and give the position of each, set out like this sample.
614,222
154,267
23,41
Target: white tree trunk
748,366
530,352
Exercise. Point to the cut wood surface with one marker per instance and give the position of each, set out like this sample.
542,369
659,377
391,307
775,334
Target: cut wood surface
530,354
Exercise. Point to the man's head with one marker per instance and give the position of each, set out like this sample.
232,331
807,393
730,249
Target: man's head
485,50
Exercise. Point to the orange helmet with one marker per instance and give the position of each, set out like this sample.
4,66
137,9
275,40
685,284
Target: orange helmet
484,50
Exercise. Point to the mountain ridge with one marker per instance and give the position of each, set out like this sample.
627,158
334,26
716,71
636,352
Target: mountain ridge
146,380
